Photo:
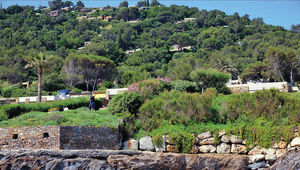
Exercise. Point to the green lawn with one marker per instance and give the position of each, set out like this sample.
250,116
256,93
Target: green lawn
78,117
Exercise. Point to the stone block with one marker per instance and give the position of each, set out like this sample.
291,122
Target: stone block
256,158
133,144
207,141
240,149
271,157
146,144
235,139
223,148
225,139
295,142
207,149
281,145
257,150
222,132
205,135
172,148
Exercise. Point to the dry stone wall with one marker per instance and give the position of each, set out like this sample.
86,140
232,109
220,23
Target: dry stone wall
205,143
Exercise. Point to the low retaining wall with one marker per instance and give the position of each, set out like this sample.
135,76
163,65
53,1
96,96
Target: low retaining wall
205,143
45,137
60,137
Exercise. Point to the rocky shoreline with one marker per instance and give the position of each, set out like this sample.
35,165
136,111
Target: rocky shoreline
126,159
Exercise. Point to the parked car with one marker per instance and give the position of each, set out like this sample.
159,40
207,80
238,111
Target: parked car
64,92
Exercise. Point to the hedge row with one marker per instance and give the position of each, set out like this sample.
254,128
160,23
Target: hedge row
11,111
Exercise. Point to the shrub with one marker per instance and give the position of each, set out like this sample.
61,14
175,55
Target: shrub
182,85
211,79
127,102
149,88
108,84
177,107
76,90
184,141
157,140
10,111
7,91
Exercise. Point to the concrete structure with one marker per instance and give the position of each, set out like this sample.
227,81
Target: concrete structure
59,138
112,92
253,87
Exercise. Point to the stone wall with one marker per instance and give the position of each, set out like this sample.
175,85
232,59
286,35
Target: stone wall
206,143
239,89
45,137
80,137
59,137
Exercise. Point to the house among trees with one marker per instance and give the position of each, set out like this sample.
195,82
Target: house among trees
54,13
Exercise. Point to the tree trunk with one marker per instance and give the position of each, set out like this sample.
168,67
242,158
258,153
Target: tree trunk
87,84
40,73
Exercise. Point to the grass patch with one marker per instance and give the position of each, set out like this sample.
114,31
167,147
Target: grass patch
78,117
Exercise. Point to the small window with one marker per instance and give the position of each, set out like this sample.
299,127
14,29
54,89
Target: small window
45,135
15,136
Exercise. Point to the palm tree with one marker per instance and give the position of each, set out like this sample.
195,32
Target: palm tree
225,65
39,61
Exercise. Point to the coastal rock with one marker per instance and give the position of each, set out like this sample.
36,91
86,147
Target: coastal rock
146,143
178,161
235,139
295,142
162,147
225,139
223,148
258,165
207,149
205,135
125,145
172,148
222,132
236,148
114,159
289,160
207,141
256,158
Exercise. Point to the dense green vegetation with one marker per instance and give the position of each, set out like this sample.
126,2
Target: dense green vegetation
233,44
261,117
175,70
79,117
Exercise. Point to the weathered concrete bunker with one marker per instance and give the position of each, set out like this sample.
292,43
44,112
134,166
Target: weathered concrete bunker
59,138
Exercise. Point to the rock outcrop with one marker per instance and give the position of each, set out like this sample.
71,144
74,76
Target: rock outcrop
290,160
112,159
